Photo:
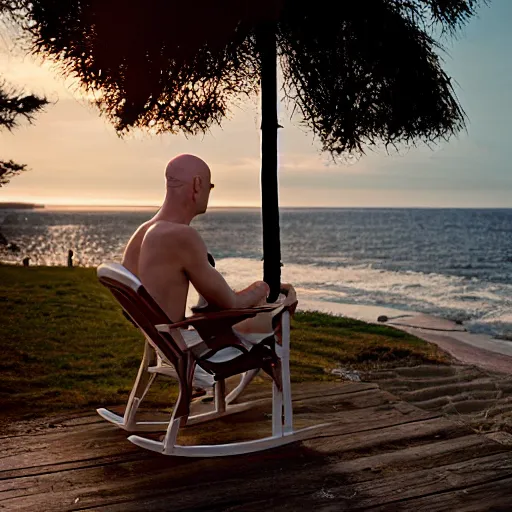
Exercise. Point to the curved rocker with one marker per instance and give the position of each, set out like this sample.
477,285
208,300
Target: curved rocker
218,353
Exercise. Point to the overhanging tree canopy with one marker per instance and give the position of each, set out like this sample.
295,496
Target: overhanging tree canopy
359,72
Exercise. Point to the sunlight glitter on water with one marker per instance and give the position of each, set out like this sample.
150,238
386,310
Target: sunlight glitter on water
455,264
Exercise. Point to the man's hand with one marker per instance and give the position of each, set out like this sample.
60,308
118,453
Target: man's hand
254,295
289,291
261,286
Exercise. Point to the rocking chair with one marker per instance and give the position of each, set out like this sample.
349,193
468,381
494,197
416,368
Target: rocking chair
219,352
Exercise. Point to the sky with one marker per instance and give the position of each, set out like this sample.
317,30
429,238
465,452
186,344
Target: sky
76,158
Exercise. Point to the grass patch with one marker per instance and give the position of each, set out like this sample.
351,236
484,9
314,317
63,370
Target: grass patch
322,342
65,345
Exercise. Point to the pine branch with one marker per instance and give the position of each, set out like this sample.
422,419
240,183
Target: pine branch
8,170
15,105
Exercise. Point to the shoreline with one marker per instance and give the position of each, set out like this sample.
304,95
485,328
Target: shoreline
479,350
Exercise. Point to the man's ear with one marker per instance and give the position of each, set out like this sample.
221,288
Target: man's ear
197,184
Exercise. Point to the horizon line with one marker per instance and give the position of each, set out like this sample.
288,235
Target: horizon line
239,207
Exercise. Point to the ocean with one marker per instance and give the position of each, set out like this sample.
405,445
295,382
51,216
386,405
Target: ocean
454,263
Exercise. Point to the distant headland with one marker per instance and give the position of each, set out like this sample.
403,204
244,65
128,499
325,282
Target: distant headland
20,206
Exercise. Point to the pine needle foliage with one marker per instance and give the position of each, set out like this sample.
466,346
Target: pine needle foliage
14,104
359,73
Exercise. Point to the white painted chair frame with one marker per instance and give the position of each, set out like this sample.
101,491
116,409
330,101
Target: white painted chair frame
282,410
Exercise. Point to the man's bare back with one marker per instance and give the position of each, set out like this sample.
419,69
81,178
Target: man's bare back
162,274
167,254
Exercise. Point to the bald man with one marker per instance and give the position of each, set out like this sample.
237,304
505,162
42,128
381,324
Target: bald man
167,254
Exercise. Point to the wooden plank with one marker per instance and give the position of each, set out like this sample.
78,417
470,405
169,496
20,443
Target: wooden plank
494,496
175,480
62,467
311,390
95,441
368,418
481,485
42,425
414,484
305,390
341,412
401,435
355,400
425,456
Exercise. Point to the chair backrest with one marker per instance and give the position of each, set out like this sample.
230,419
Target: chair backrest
141,307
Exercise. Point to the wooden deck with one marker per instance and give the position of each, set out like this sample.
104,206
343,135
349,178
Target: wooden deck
379,454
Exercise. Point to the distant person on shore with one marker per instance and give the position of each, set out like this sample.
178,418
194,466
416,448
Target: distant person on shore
167,254
26,261
70,258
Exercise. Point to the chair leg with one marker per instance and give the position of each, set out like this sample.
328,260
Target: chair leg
171,435
142,383
141,386
282,408
220,396
222,408
181,409
285,374
277,411
245,380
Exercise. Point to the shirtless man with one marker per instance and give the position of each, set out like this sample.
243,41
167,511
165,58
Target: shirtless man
166,254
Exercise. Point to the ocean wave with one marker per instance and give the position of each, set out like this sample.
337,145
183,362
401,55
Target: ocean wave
485,307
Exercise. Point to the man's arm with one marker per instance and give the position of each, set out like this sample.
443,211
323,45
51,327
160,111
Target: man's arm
210,283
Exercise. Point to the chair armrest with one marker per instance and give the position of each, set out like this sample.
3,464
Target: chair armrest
216,329
226,317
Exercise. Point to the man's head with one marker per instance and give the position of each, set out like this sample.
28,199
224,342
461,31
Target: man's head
188,181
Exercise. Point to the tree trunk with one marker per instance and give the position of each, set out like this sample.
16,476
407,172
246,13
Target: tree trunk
266,39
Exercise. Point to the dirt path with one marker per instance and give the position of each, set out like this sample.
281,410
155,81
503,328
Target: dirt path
463,351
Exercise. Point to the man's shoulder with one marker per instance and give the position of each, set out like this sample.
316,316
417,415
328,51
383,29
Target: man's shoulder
170,232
